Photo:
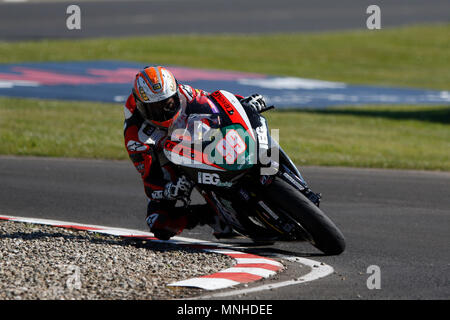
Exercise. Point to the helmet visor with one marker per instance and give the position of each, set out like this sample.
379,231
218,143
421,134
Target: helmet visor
159,111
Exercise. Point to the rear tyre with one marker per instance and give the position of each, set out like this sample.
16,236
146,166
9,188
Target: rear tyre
324,234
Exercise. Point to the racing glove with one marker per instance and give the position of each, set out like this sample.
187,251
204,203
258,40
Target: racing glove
177,190
255,101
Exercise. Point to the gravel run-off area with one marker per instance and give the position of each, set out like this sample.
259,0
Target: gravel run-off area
51,263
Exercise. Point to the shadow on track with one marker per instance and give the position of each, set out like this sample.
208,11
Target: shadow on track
97,238
435,114
264,249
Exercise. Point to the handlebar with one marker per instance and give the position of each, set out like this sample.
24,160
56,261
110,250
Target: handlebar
267,109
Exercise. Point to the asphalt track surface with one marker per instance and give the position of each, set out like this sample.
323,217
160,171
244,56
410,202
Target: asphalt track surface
397,220
38,20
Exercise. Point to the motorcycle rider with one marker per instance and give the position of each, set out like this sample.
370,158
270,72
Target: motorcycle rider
156,101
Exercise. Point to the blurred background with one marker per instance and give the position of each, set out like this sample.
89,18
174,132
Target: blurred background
346,95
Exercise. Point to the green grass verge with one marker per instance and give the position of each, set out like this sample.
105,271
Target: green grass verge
61,129
407,137
408,56
385,137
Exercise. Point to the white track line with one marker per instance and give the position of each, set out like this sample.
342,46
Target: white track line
318,270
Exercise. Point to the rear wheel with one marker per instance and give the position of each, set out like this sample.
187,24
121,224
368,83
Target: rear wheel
324,234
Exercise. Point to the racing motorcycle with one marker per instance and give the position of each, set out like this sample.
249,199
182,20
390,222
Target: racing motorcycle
226,150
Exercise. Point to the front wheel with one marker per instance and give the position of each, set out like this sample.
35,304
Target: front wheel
324,234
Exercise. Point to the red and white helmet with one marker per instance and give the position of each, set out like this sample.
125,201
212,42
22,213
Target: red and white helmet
156,93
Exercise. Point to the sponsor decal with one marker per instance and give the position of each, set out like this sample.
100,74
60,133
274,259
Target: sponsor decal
148,130
231,146
212,179
262,135
268,210
151,135
292,180
135,146
141,88
143,95
158,194
223,101
266,179
244,194
151,219
140,168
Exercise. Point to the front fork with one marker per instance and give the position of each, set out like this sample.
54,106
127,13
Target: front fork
289,172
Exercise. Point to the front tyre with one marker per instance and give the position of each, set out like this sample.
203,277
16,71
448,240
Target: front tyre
324,234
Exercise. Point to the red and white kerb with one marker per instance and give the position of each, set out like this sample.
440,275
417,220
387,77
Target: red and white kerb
247,267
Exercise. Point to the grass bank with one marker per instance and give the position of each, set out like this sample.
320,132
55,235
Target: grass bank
406,137
407,56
